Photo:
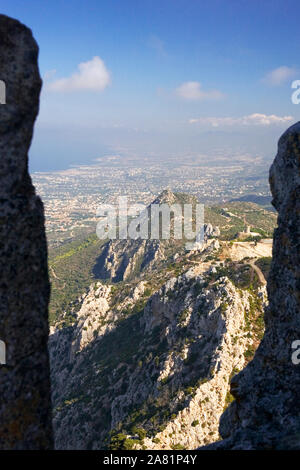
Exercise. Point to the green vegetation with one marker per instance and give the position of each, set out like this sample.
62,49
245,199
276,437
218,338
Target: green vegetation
127,351
70,270
228,399
254,321
120,441
232,219
242,276
249,353
177,447
183,316
71,266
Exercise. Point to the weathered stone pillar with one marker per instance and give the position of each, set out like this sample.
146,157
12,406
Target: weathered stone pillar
25,411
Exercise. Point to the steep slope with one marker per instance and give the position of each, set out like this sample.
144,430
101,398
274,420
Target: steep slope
121,260
266,413
149,366
76,265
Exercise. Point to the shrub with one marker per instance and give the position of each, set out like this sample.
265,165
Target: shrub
178,447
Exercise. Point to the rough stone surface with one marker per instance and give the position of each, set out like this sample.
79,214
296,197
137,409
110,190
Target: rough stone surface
25,416
124,259
171,361
266,413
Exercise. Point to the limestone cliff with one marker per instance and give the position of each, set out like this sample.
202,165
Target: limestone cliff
266,413
124,259
151,364
25,416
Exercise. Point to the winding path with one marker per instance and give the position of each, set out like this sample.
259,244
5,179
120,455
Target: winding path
258,271
57,278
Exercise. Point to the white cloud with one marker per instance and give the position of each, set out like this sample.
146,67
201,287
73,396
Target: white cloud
255,119
91,75
193,91
279,76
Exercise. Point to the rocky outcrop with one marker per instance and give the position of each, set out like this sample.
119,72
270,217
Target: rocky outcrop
125,259
209,242
152,367
121,260
266,412
206,339
25,416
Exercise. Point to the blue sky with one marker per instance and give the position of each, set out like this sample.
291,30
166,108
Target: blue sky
161,77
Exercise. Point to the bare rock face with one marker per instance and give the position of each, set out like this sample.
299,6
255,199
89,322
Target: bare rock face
266,413
25,416
167,354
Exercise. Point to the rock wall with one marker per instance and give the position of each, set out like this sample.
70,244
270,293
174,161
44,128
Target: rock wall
216,333
25,416
266,412
151,368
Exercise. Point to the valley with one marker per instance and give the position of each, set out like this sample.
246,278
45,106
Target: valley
144,359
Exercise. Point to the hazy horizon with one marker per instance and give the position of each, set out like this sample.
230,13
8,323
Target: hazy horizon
162,79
